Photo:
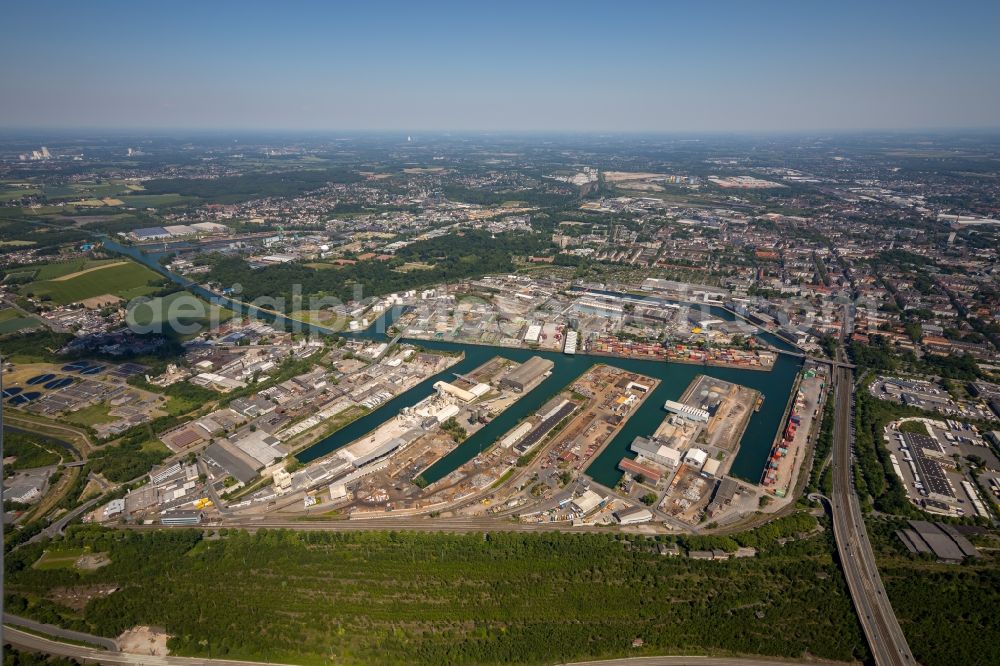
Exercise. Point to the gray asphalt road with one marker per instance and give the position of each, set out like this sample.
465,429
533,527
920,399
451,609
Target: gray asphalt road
60,525
37,643
692,661
885,637
58,632
88,655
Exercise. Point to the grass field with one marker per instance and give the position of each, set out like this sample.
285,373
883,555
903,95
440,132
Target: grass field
12,320
59,558
320,318
124,279
61,268
16,193
10,324
194,310
89,416
6,314
414,266
155,200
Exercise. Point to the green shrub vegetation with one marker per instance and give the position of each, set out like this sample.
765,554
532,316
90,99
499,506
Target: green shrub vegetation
916,427
14,657
30,450
947,611
414,598
453,256
131,457
456,431
39,346
824,445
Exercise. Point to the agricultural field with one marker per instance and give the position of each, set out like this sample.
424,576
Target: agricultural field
71,282
63,268
14,193
188,308
85,191
155,200
11,320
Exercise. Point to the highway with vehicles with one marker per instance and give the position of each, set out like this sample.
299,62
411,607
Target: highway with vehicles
885,637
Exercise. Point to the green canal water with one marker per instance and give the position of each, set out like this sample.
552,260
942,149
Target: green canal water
674,378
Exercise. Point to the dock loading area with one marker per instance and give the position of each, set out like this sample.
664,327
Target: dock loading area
788,453
594,408
729,406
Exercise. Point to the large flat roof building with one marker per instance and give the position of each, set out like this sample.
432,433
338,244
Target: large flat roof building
633,515
528,372
636,468
181,517
687,411
943,540
587,502
655,451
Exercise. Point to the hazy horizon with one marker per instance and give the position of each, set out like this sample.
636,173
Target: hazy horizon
637,68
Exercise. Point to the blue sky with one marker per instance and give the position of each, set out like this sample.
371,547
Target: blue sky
516,66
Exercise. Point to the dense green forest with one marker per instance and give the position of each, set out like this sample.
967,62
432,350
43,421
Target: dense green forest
414,598
41,345
453,257
947,611
128,459
30,450
22,225
231,189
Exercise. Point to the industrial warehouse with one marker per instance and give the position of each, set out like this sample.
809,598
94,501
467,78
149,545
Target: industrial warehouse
531,371
685,461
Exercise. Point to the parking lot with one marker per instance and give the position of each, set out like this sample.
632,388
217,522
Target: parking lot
933,458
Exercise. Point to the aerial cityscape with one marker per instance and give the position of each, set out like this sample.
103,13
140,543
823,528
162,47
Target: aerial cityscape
366,377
